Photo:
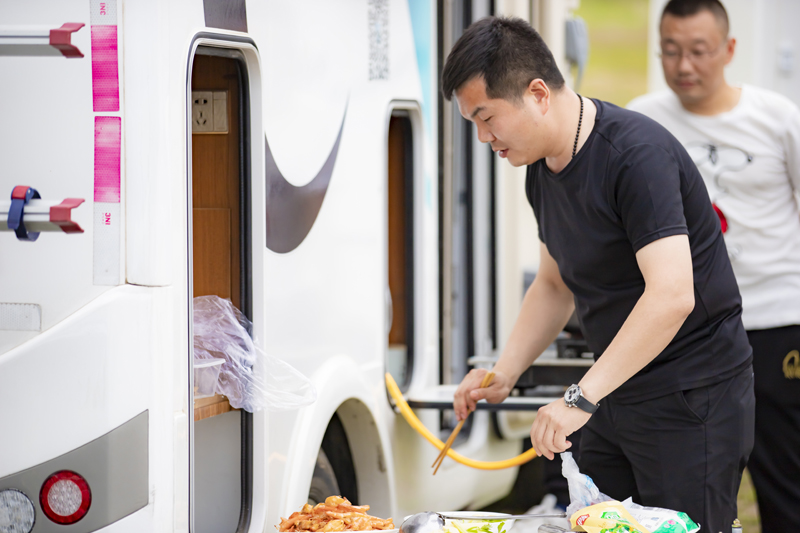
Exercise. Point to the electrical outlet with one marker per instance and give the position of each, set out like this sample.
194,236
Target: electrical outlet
209,111
202,112
220,111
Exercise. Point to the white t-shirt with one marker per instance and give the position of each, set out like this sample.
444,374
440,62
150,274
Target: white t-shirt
749,158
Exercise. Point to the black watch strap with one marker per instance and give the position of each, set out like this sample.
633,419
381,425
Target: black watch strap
585,405
573,397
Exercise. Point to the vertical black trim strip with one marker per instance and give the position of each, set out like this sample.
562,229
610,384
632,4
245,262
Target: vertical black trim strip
468,260
440,103
493,230
469,178
469,248
409,255
189,301
246,284
493,245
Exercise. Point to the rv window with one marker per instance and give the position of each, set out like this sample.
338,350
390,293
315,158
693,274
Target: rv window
400,189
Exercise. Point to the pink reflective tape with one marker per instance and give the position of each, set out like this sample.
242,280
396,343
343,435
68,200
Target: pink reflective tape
105,69
107,146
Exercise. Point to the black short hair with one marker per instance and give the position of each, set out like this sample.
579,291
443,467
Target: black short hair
687,8
506,52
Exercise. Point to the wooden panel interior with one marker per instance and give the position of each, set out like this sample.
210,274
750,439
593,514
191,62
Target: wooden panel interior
215,188
211,406
212,239
215,202
397,223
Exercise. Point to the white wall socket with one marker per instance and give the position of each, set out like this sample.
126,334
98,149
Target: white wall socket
220,111
209,111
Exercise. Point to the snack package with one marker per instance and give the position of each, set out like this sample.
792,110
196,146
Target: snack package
584,495
658,520
605,517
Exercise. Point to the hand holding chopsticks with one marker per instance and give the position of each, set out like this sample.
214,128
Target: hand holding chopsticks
487,380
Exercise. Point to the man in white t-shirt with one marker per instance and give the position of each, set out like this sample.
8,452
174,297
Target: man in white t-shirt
746,143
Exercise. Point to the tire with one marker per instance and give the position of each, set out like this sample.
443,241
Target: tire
334,472
323,482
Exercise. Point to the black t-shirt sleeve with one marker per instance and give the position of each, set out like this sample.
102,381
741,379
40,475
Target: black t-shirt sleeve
648,196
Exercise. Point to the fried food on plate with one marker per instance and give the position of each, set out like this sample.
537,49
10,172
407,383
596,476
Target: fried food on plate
336,514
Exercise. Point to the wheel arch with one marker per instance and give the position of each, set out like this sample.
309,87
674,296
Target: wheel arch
352,393
372,466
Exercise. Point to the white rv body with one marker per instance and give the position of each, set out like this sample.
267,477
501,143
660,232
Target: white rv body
112,337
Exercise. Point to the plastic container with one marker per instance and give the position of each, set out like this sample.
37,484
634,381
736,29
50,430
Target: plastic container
206,376
488,525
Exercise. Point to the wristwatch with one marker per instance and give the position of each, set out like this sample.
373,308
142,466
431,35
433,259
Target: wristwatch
574,398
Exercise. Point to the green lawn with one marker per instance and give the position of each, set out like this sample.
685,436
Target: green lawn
617,67
748,507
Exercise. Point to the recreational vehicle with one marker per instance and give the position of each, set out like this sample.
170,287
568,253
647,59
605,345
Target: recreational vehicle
292,157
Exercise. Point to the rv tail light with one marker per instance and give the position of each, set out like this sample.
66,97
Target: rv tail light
65,497
16,512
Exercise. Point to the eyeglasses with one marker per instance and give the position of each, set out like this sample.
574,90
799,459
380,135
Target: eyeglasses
675,55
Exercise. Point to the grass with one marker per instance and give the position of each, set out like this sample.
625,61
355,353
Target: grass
617,68
748,507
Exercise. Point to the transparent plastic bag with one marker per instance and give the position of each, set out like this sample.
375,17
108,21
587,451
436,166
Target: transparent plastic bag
582,490
584,493
658,520
251,379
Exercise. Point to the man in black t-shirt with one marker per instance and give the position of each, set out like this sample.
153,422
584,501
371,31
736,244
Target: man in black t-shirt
630,240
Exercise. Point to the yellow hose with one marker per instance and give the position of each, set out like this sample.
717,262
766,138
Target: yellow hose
415,423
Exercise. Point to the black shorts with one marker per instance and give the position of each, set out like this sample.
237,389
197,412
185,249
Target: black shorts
684,451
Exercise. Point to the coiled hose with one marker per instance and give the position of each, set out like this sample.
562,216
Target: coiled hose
415,423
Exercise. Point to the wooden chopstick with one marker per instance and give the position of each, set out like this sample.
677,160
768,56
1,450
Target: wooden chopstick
447,445
487,380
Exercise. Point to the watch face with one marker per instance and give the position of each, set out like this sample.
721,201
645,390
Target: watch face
572,394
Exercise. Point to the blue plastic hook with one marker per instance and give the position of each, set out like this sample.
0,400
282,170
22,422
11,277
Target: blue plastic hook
19,197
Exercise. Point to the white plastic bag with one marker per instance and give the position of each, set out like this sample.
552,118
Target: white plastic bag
582,490
251,379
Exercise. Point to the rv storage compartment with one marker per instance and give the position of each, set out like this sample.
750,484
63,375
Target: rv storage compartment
251,379
206,374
